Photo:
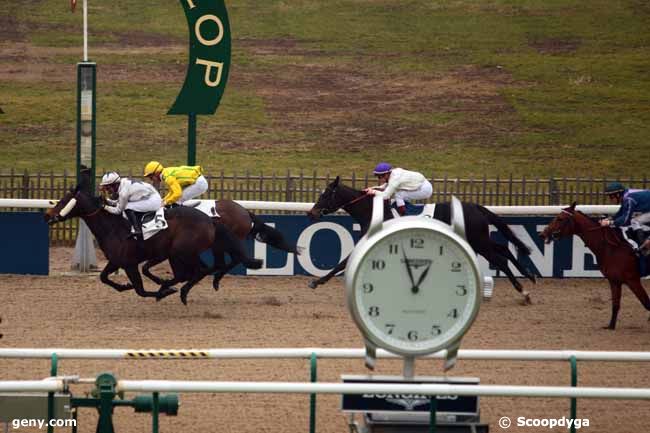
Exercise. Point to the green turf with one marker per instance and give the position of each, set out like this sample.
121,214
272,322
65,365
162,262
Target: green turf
569,83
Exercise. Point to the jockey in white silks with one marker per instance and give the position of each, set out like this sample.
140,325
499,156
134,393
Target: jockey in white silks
403,185
134,198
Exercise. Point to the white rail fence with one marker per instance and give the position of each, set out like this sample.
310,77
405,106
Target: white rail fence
304,207
186,386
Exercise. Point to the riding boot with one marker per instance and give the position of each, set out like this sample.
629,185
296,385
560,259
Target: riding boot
639,236
134,219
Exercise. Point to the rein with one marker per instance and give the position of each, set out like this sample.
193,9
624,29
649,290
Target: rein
353,201
92,214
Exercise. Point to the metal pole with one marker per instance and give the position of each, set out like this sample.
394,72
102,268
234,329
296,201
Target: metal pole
574,383
85,13
312,397
433,406
155,412
191,139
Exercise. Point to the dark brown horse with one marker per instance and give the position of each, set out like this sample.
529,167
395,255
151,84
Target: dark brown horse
189,233
477,222
244,224
616,258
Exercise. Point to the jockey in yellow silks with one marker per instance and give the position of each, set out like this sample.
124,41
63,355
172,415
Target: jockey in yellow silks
183,183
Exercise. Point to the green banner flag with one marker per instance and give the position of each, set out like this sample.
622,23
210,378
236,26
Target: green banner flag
209,64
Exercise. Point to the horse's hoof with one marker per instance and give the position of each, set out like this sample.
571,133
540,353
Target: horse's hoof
528,300
163,293
215,285
610,328
313,284
254,263
184,297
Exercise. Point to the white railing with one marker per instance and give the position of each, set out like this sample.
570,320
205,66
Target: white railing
187,386
304,207
321,353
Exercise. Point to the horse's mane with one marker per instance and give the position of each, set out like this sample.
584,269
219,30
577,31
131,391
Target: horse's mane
593,220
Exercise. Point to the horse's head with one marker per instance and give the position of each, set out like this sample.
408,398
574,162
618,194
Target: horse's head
328,202
77,202
562,225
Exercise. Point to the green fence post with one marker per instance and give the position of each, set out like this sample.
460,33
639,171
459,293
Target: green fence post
156,412
312,397
433,407
574,383
54,367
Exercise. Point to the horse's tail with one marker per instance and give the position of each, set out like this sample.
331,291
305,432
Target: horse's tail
501,225
270,235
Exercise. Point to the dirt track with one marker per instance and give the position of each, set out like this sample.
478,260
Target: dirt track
74,311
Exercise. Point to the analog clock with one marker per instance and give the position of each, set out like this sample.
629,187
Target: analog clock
413,287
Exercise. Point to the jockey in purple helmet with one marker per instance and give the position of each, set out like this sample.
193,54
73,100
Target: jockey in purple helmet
401,184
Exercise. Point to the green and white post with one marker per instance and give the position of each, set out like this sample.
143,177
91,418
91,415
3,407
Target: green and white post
85,259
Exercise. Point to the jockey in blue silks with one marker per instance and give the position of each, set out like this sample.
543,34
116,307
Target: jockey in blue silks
402,184
634,211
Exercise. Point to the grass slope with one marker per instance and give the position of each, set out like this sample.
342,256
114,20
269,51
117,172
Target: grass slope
463,87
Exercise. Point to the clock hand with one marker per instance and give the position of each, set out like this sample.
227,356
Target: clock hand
414,289
422,277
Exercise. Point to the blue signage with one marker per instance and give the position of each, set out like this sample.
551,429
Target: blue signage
25,243
331,239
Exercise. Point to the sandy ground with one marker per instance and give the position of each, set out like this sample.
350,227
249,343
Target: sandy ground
80,312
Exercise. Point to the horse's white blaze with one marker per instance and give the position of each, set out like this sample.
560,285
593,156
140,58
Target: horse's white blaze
68,207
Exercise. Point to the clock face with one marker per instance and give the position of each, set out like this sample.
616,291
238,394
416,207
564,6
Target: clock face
415,290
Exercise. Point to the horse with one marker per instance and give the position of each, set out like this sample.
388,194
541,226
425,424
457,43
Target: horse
189,233
615,256
477,221
243,224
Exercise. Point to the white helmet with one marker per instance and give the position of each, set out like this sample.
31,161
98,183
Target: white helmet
110,178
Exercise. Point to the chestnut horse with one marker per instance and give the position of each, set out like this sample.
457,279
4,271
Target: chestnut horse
477,225
616,258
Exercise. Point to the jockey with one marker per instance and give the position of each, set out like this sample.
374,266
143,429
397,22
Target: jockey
634,211
183,182
403,184
134,198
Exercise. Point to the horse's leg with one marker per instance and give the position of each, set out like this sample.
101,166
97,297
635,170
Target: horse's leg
225,240
325,278
640,293
220,263
501,263
615,288
136,280
505,251
147,273
185,290
109,269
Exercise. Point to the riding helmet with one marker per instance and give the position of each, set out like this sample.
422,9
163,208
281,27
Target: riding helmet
382,168
110,178
153,167
614,188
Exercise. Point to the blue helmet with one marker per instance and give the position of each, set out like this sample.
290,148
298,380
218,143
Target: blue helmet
382,168
614,188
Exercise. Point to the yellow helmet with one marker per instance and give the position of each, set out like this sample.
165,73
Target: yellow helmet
154,167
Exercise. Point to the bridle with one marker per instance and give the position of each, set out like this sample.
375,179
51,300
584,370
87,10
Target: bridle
331,208
571,219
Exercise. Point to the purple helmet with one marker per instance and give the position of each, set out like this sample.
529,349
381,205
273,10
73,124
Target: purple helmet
382,168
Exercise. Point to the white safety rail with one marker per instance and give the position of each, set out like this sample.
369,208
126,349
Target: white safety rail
304,207
348,388
321,353
186,386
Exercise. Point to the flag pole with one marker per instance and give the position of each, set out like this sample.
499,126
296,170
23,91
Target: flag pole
85,11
